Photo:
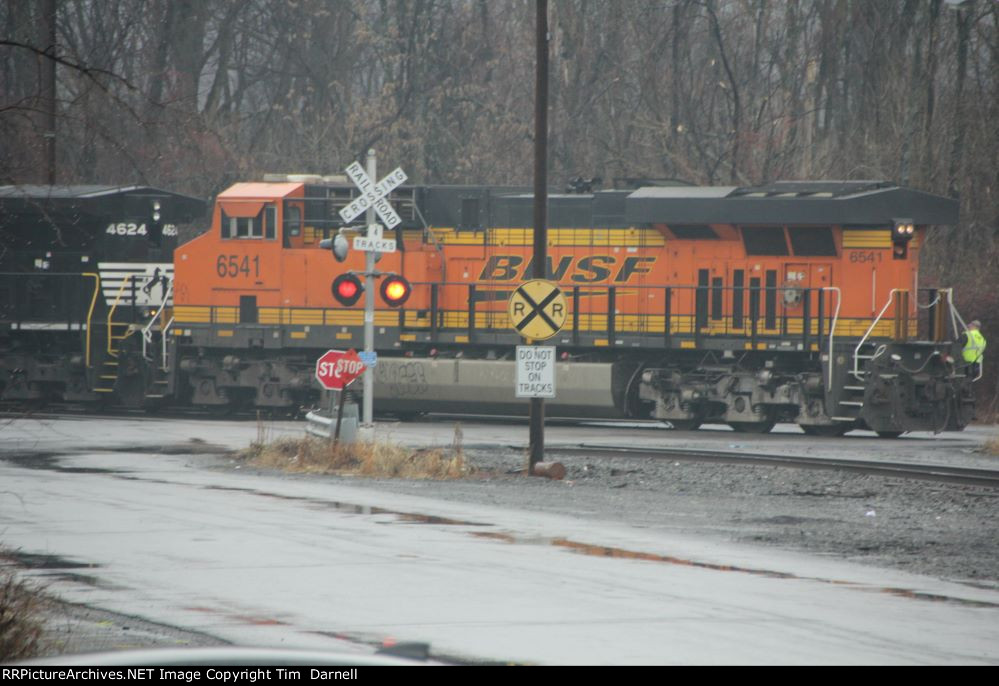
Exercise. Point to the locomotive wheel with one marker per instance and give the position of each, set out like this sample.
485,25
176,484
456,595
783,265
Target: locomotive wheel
825,431
889,434
685,424
753,427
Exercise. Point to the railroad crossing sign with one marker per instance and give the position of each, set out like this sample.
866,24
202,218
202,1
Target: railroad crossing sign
537,309
373,195
335,369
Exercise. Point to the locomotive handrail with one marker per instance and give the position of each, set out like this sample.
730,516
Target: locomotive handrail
164,342
428,232
90,314
147,330
832,327
955,317
745,310
856,351
121,290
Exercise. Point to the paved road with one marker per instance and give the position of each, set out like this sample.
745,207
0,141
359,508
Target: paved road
295,562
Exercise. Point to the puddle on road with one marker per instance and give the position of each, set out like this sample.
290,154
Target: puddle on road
242,619
55,568
51,462
194,446
354,508
83,579
43,561
625,554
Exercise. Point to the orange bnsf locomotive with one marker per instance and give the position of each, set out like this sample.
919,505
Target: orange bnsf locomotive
796,302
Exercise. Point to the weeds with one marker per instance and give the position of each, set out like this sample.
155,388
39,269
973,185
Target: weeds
992,446
21,607
320,456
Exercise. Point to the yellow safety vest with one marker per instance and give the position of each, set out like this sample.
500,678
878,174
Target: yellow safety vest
974,349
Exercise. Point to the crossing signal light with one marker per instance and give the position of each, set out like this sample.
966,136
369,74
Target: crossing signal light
347,289
395,290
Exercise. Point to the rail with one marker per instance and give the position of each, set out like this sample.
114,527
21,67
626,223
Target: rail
867,334
147,330
929,472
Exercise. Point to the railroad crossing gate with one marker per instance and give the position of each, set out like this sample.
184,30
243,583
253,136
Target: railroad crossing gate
336,369
537,309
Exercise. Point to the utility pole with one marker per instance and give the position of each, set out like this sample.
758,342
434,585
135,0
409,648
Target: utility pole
537,418
48,87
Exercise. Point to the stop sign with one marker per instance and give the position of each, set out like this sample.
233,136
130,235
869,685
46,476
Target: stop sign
337,368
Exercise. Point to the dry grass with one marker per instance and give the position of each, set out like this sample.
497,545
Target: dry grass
21,608
992,446
319,456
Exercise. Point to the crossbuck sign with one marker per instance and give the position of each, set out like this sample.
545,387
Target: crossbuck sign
373,196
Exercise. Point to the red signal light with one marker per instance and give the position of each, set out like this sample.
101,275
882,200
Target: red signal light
347,289
395,290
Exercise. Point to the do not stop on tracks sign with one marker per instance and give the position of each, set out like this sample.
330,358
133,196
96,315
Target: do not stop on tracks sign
335,369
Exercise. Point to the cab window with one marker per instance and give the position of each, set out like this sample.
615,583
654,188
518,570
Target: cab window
245,223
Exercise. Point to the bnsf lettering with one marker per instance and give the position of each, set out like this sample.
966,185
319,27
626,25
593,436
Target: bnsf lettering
593,268
589,269
501,268
633,265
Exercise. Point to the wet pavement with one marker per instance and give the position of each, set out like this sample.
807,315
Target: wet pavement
106,519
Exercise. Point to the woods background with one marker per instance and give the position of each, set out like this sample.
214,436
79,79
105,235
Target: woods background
193,95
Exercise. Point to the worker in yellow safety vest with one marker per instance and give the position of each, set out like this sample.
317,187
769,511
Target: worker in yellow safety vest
974,348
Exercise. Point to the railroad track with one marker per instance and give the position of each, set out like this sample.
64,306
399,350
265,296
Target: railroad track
939,473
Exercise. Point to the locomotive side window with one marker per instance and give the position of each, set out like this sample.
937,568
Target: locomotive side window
242,227
292,219
812,241
248,219
270,225
765,240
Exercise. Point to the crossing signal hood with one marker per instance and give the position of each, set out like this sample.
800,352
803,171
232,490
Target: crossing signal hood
338,245
395,290
347,289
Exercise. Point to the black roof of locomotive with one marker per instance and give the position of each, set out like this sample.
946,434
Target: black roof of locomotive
73,204
819,203
863,203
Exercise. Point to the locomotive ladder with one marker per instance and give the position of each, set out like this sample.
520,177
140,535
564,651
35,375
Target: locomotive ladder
107,374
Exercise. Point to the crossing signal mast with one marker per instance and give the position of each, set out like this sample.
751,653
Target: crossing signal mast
347,287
